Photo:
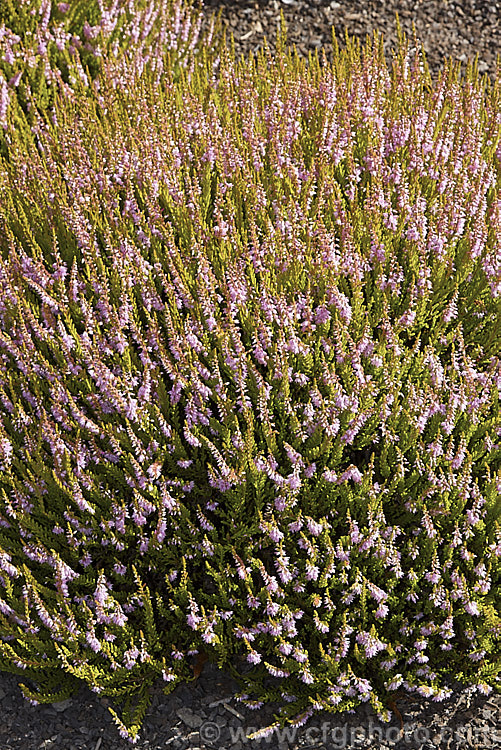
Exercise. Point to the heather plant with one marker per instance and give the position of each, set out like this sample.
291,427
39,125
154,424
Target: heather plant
249,383
46,45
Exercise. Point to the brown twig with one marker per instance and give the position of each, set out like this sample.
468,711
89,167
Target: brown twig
197,668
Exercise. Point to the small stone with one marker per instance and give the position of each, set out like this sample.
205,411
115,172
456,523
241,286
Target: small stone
184,696
62,705
488,713
189,718
47,743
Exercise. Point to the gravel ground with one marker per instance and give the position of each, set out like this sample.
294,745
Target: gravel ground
205,714
446,29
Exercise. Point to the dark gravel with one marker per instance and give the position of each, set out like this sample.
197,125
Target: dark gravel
446,29
205,714
198,712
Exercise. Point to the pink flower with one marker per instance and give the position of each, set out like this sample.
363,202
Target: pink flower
472,608
254,657
4,101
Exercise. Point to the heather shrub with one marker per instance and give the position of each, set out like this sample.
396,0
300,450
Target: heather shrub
249,383
46,45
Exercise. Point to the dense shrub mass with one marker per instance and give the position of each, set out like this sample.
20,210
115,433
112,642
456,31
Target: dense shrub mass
46,45
249,382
